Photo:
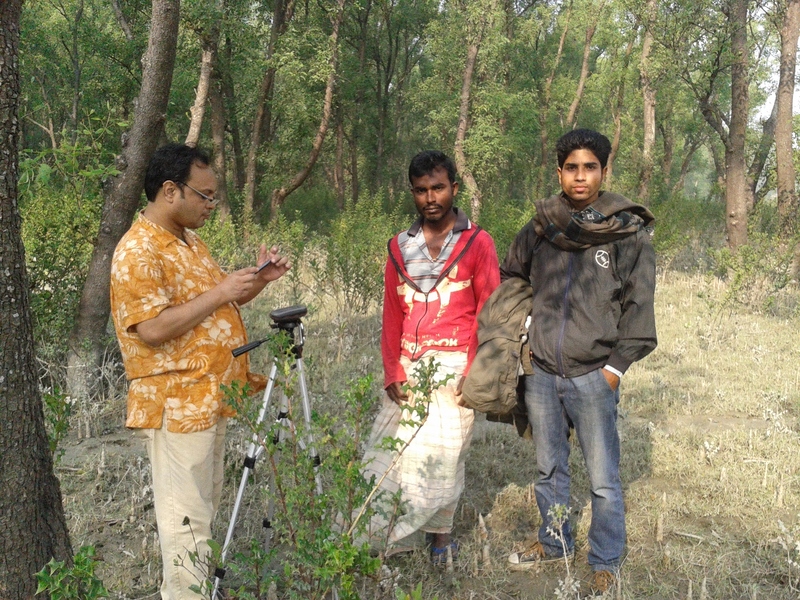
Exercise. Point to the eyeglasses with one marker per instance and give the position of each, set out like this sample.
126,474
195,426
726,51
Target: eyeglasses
213,201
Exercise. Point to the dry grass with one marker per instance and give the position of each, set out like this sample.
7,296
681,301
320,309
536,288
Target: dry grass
710,436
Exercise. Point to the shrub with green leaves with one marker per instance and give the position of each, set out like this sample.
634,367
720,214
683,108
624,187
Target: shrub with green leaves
321,541
60,201
76,582
313,547
355,254
57,411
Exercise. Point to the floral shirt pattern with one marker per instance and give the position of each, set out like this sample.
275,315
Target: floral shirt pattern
178,381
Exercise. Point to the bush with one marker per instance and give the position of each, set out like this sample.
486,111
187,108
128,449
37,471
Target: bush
58,231
351,271
75,582
503,219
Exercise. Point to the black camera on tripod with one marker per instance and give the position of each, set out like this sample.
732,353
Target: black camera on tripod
284,319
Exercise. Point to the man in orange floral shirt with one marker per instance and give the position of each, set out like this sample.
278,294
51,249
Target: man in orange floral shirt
177,319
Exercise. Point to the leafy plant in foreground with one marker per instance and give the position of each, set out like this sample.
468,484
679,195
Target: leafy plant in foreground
569,587
76,582
57,410
318,537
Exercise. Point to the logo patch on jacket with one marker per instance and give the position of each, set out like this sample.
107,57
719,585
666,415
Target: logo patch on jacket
602,259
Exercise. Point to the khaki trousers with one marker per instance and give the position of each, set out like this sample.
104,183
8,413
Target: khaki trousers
187,486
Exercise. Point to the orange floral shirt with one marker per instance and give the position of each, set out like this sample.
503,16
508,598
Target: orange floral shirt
179,379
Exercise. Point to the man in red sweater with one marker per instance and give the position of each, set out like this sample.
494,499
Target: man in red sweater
438,275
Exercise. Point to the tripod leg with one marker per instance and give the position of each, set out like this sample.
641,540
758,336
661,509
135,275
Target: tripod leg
253,452
280,436
301,376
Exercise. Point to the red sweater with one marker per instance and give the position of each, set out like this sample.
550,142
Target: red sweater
446,317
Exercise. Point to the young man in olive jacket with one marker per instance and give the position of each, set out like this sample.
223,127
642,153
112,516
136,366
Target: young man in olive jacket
588,256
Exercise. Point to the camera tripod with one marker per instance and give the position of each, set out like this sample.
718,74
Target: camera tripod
286,320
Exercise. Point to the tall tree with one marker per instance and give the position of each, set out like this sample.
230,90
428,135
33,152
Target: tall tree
649,102
784,163
31,513
280,194
282,16
591,28
545,166
736,189
123,194
477,27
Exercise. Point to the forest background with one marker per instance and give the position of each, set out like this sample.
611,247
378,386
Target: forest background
311,111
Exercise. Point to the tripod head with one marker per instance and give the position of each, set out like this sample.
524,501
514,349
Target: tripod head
283,319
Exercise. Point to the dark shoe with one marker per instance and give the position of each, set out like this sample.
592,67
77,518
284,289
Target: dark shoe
535,555
439,555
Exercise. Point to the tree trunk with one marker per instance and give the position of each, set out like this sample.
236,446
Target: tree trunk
649,105
218,122
122,197
718,156
617,113
463,124
761,155
544,166
198,110
736,189
587,51
787,198
688,152
668,138
123,22
77,69
232,122
338,168
280,195
32,521
284,11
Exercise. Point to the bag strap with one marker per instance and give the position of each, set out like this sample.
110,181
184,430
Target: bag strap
444,273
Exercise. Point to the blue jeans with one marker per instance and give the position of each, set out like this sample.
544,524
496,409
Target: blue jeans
588,403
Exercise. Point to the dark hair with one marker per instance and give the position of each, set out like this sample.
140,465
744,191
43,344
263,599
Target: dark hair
172,162
428,161
583,139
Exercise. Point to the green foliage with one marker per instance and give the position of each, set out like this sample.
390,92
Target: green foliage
355,255
58,229
317,550
416,594
61,200
235,246
75,582
319,536
757,273
57,411
503,219
683,220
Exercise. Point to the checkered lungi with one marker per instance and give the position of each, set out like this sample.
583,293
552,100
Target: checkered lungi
430,470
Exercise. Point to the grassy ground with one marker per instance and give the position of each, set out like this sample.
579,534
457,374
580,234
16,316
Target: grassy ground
710,439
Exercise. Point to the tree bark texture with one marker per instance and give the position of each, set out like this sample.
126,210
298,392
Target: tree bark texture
279,195
122,197
617,113
218,121
198,110
787,197
587,51
649,105
736,188
32,521
463,124
545,168
284,10
761,155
